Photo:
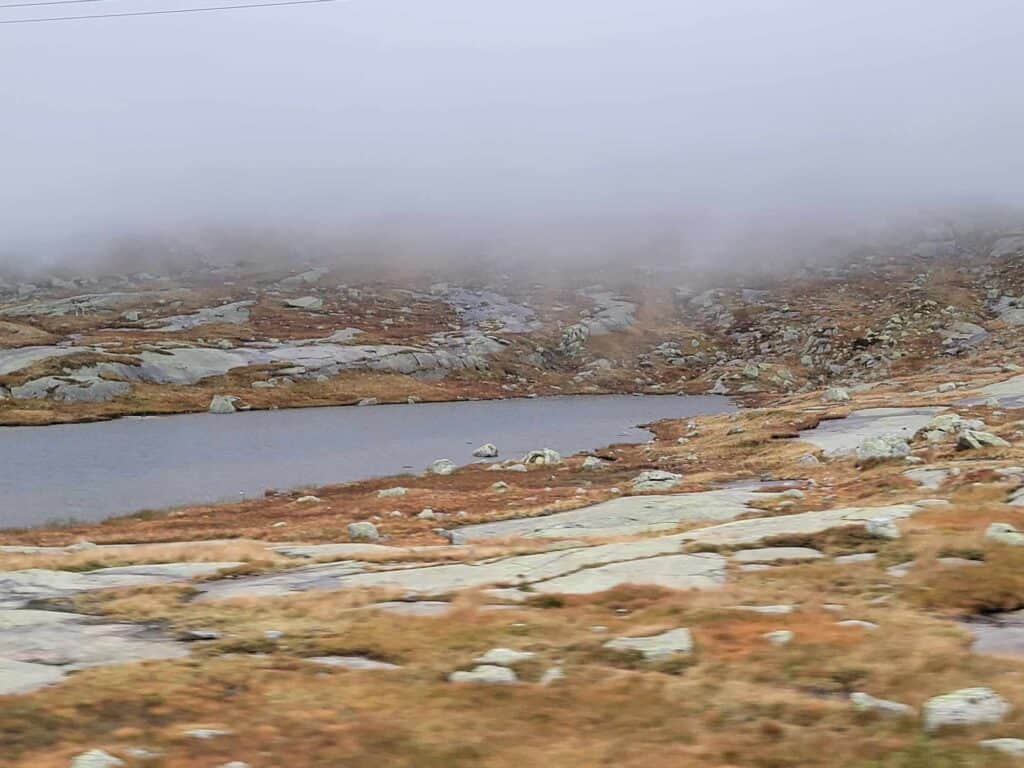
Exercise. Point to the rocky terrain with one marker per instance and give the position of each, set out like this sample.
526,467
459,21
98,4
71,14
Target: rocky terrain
832,575
249,336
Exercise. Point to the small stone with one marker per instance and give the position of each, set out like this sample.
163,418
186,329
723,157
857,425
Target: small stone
505,657
308,499
486,451
883,528
427,514
552,675
778,637
655,647
592,462
206,733
386,493
501,486
363,531
95,758
868,625
865,702
368,401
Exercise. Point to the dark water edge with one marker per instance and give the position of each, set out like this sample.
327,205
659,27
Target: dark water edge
92,471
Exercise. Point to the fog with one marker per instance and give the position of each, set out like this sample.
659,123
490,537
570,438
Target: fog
520,128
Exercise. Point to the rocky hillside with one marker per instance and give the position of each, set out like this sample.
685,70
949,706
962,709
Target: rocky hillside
252,337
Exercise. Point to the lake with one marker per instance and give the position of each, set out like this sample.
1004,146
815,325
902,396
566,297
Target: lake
94,471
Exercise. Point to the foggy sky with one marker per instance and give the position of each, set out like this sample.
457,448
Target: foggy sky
513,122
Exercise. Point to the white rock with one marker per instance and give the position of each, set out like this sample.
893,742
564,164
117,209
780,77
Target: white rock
836,395
970,439
206,733
505,657
223,404
442,467
592,462
656,480
363,531
485,673
655,647
95,758
308,499
968,706
486,451
865,702
881,448
385,493
1005,533
883,528
1012,747
552,675
544,456
778,637
868,625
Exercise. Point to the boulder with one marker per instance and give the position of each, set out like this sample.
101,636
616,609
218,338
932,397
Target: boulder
970,439
836,395
485,673
486,451
223,404
656,480
363,531
1004,533
968,706
387,493
441,467
544,456
592,462
881,448
655,647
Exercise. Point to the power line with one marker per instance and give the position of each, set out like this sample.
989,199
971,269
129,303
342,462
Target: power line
160,12
47,2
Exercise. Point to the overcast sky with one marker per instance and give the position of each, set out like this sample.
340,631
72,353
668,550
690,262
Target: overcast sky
503,113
